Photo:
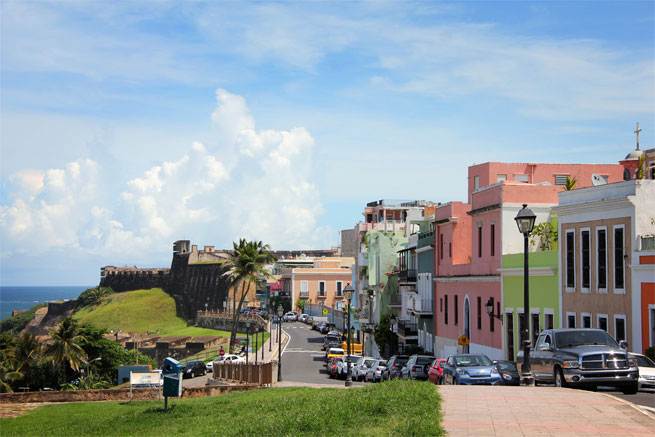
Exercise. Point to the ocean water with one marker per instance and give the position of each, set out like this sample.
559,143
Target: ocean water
25,297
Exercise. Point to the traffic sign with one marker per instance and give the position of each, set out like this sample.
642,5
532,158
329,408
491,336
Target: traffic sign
463,340
325,311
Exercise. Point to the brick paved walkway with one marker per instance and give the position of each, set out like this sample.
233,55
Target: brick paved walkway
532,411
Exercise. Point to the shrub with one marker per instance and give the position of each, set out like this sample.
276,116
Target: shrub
92,296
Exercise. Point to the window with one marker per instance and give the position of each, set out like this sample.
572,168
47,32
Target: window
493,239
491,319
570,259
389,216
586,259
560,179
321,288
441,305
501,177
450,250
441,245
476,182
548,318
535,327
522,178
602,322
304,289
602,260
619,328
509,317
339,288
570,320
586,320
480,240
445,316
522,329
619,277
456,310
479,313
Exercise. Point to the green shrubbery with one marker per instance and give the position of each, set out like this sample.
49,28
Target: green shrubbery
92,296
15,324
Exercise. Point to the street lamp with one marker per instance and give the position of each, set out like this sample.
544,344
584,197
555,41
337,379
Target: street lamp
348,292
490,310
247,340
525,221
88,376
280,311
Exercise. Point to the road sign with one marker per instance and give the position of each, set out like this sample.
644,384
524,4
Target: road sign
325,311
463,340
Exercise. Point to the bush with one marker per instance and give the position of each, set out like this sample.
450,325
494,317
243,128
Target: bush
92,296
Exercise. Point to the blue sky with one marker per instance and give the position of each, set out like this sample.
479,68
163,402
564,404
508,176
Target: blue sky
128,125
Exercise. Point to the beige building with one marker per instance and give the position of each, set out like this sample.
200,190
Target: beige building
321,283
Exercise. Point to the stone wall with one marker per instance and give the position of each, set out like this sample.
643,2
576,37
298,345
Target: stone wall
133,278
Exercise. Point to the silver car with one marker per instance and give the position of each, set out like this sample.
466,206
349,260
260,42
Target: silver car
375,371
361,366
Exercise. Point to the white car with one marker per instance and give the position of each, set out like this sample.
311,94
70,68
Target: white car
361,366
646,372
230,359
374,372
342,366
291,316
303,318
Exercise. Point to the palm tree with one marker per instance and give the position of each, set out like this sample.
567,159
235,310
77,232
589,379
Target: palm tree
8,374
65,346
245,267
570,183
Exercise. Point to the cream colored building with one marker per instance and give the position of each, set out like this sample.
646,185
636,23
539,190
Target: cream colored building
323,282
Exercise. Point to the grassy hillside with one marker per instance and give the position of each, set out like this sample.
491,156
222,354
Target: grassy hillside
390,408
140,311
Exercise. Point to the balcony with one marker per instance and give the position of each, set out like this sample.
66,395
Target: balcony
303,295
407,329
421,307
395,301
389,226
408,275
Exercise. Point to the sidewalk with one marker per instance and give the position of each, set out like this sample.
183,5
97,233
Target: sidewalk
530,411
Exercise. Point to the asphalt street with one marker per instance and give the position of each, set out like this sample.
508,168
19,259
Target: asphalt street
302,358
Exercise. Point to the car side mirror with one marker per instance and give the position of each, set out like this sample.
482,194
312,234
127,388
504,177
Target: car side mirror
544,347
623,344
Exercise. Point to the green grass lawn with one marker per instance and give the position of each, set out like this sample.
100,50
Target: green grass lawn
141,311
390,408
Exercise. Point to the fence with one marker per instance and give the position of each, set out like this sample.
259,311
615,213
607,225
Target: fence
261,374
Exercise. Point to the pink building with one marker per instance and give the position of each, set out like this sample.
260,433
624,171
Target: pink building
471,239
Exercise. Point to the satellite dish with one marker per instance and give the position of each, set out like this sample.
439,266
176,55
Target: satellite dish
597,179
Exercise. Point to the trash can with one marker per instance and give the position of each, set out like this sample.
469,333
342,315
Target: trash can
172,374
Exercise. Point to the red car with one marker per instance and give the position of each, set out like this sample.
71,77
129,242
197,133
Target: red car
435,373
332,366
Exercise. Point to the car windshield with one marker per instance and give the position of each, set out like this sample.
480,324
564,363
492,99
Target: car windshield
584,337
381,363
334,351
369,363
643,361
472,360
508,366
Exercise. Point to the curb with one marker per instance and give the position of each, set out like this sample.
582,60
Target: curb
646,411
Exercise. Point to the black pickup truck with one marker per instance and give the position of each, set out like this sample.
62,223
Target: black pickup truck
585,358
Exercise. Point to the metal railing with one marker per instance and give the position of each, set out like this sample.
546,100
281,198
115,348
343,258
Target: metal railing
408,275
395,300
407,329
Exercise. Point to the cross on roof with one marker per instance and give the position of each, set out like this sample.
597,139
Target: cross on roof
637,132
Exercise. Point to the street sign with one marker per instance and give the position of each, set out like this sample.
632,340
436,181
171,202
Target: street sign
325,311
463,340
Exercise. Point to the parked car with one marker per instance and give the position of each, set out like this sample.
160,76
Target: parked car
303,318
331,339
194,368
276,319
335,352
646,372
417,367
470,369
435,372
374,371
342,366
230,358
361,366
291,316
509,373
394,365
583,358
332,364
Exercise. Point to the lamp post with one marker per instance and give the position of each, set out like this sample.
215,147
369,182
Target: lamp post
525,222
280,311
256,332
490,310
348,292
247,340
270,334
88,376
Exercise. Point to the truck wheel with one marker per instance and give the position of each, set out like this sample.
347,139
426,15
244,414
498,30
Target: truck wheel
559,378
630,389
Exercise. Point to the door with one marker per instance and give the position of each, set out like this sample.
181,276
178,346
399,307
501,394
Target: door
467,323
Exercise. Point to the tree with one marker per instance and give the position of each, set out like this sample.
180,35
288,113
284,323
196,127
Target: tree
245,267
385,338
66,345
